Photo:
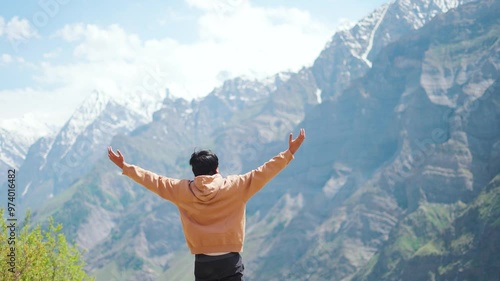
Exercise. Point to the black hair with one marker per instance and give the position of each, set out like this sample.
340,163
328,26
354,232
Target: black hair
204,162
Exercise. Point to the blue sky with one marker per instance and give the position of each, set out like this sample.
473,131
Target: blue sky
54,53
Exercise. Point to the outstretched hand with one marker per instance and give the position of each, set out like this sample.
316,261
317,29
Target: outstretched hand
294,144
116,158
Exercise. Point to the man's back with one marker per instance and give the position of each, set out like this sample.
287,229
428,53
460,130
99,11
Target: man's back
212,208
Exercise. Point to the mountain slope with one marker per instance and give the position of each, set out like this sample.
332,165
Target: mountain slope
459,243
349,54
392,146
460,240
52,166
16,136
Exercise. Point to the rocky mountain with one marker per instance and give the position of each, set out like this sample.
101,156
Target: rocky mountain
16,136
390,164
350,52
451,226
53,164
398,178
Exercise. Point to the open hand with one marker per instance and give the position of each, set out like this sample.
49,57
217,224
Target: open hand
116,158
294,144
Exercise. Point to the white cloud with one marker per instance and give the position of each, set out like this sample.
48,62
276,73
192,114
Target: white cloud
101,44
72,32
174,16
251,41
30,125
242,40
6,59
52,54
2,26
257,41
218,6
19,102
17,29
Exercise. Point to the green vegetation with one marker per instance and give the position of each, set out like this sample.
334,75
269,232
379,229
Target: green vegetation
431,248
463,243
488,205
72,214
438,215
181,268
408,244
429,220
443,239
112,272
129,261
35,254
454,53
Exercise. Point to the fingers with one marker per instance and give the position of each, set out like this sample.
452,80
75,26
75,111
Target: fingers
111,153
301,136
290,138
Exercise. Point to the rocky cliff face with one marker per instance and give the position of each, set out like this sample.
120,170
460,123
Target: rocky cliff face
349,54
391,145
455,201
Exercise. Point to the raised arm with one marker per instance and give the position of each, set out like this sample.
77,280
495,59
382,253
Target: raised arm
164,187
255,180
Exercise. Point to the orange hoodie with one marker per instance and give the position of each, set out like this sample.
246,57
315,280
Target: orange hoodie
212,208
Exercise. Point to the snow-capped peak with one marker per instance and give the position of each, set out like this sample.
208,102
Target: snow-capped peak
245,89
88,111
345,25
144,103
28,127
17,135
420,12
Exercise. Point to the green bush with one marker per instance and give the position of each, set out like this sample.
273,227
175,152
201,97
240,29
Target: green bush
36,254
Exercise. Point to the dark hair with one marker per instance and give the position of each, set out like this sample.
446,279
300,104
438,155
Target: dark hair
204,162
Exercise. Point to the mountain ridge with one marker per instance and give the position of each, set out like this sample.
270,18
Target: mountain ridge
350,52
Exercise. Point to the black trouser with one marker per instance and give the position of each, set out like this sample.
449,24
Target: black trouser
228,267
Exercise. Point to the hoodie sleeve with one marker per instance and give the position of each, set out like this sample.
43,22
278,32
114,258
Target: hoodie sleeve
164,187
253,181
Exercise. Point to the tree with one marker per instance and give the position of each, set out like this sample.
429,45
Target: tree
36,254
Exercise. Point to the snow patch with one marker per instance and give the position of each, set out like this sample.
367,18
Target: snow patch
333,185
26,189
8,160
318,96
284,76
364,56
337,180
345,25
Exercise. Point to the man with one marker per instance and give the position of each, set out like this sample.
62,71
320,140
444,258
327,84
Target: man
212,208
